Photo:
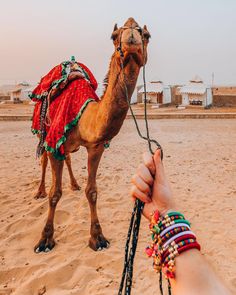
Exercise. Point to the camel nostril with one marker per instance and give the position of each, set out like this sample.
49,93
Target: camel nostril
131,40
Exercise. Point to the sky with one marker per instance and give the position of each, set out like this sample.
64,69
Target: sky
188,37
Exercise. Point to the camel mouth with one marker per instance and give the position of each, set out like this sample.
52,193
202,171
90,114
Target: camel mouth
136,56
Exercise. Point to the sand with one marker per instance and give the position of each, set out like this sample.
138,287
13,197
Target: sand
200,160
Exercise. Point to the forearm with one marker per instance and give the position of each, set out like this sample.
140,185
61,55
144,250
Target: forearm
193,276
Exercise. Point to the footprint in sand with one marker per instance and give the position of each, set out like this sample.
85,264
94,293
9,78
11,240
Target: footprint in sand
39,209
62,217
19,223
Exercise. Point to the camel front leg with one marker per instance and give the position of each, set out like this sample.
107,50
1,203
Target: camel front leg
46,243
73,183
41,193
97,240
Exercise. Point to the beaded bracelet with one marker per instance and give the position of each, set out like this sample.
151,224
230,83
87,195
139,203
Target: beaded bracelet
169,263
172,227
169,217
158,224
176,221
177,229
171,235
181,241
182,234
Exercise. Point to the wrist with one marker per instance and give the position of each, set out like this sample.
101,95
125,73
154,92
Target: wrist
166,211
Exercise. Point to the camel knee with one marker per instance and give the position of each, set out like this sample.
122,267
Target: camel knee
44,159
91,193
54,199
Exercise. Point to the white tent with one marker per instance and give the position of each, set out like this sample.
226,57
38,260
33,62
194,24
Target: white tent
157,92
196,92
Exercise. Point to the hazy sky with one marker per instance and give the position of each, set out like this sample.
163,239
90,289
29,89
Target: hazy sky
188,37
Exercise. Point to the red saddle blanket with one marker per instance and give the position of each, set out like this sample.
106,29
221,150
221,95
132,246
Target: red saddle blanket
66,109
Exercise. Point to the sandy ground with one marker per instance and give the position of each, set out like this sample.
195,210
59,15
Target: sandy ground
200,160
27,109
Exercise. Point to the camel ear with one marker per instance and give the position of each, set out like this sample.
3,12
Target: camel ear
146,33
115,28
114,34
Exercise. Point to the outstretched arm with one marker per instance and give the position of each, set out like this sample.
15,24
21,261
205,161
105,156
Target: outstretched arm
193,275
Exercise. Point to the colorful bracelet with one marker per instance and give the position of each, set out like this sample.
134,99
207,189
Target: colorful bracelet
158,223
179,242
171,235
176,221
169,263
177,229
172,227
182,234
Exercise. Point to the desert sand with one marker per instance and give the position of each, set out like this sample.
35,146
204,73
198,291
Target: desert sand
200,160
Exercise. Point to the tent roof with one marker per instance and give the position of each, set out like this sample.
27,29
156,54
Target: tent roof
152,88
196,79
193,88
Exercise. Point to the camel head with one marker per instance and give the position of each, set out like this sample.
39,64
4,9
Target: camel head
131,42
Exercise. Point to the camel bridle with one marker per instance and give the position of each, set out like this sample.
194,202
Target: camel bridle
137,28
133,231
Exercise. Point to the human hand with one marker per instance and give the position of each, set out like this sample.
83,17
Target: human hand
151,186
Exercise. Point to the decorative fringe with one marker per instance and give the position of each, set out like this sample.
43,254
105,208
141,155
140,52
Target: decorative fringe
40,148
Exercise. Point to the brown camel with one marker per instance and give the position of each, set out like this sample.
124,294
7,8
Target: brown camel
101,121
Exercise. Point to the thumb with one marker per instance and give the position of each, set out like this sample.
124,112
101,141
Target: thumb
160,174
157,157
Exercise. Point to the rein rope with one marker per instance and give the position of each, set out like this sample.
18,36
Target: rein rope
133,231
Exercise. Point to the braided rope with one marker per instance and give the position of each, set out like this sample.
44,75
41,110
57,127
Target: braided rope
135,221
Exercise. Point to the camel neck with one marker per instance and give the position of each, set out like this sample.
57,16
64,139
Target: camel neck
113,106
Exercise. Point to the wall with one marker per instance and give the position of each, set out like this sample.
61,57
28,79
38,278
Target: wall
227,90
151,97
224,100
4,97
176,98
139,95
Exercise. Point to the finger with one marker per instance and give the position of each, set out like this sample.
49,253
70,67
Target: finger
141,184
145,174
149,162
136,193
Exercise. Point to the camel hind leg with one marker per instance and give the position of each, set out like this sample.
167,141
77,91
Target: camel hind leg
41,193
73,183
97,240
46,243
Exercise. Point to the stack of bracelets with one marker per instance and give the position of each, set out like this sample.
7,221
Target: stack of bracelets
171,236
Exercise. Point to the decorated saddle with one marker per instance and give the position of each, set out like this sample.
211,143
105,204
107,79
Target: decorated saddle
61,97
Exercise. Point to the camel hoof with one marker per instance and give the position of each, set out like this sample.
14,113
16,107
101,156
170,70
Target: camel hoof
44,245
75,187
40,195
99,243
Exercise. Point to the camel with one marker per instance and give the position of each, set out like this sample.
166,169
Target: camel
100,122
